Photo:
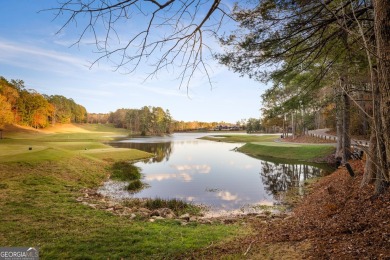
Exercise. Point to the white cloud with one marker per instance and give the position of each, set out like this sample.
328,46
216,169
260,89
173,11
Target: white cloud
185,173
186,177
196,168
160,177
39,55
167,176
226,195
35,56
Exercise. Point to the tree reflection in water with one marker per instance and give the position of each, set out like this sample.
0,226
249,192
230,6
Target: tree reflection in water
188,168
161,151
279,177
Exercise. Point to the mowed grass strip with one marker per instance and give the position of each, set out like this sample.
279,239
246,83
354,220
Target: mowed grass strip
78,146
265,146
57,150
14,149
300,152
117,154
241,138
50,146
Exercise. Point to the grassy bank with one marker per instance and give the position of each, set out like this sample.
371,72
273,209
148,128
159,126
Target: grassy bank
241,138
38,192
300,152
266,147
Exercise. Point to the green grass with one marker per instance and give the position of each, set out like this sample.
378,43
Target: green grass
39,208
38,192
124,171
241,138
116,154
300,152
78,146
15,149
176,205
55,146
135,186
264,146
104,128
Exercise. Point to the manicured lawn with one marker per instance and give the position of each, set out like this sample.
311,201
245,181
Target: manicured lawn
300,152
265,146
39,208
38,192
241,138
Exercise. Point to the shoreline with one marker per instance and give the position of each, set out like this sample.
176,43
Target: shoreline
47,189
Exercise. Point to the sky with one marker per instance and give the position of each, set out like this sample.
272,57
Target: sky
32,49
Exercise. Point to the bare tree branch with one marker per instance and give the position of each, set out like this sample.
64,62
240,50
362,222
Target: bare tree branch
162,34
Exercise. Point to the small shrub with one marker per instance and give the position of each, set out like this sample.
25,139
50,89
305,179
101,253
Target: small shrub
124,171
138,203
176,205
135,186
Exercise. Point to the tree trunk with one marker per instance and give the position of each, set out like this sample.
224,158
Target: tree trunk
346,128
381,163
370,168
362,115
339,124
382,36
292,125
303,121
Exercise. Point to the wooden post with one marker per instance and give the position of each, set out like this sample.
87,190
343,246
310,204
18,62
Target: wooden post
350,171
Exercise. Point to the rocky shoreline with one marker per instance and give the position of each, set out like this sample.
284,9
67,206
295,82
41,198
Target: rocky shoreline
138,211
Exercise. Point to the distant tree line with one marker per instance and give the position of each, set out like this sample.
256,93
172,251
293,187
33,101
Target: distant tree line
150,120
147,120
28,107
254,125
66,110
182,126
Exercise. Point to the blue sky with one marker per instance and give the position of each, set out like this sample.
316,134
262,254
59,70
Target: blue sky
31,50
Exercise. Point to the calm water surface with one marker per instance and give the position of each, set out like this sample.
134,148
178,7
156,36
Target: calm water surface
208,173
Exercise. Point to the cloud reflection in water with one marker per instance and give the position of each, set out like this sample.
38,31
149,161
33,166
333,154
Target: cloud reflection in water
186,172
212,173
226,195
196,168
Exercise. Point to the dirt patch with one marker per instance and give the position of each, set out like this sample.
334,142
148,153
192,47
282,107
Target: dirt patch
338,219
341,219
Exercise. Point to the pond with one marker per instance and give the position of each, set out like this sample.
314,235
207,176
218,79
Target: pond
209,173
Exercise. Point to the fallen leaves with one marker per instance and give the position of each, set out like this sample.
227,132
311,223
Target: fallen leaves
341,219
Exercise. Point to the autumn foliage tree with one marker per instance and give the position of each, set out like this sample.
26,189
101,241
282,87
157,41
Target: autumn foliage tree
65,110
312,45
145,121
6,116
28,107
